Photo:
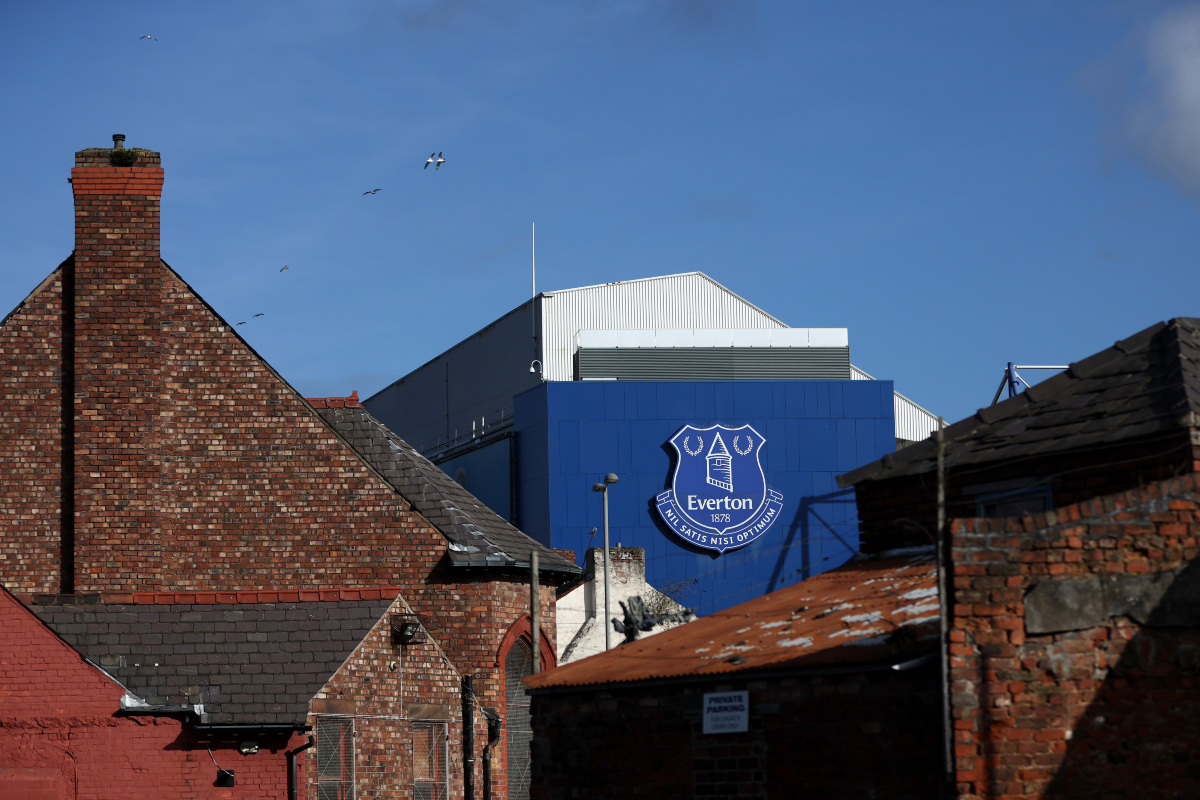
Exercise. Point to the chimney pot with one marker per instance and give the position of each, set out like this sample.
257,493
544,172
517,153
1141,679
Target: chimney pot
118,141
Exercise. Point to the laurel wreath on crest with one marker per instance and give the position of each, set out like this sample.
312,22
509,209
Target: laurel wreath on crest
749,445
699,447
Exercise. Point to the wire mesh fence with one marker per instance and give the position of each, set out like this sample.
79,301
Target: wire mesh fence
517,665
431,774
335,758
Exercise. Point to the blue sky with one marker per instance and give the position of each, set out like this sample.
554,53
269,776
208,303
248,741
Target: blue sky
959,184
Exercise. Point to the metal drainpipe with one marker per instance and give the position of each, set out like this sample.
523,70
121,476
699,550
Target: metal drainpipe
468,739
293,780
493,723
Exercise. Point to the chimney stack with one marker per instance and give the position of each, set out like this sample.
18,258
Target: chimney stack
115,285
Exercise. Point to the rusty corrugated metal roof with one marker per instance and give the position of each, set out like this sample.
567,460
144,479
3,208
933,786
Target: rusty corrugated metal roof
863,612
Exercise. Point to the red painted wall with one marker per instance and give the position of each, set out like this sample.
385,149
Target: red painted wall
61,737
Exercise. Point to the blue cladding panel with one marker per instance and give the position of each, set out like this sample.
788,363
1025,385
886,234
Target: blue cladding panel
486,473
815,431
860,399
614,401
752,399
598,446
677,400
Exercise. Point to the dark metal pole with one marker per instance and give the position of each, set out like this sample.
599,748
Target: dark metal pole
468,739
607,613
944,602
535,617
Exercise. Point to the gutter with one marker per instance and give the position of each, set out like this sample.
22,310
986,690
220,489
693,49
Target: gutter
795,672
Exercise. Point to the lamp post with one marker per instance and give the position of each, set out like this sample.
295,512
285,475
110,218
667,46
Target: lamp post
609,479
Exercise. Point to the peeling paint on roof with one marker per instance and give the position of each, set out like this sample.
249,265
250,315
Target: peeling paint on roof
846,616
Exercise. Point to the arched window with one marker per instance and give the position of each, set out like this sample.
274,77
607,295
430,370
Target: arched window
517,665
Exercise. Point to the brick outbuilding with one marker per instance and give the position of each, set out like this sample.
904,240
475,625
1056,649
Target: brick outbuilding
835,680
155,466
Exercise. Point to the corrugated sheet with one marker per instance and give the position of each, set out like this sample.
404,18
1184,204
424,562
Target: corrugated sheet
715,363
716,337
913,422
690,300
862,612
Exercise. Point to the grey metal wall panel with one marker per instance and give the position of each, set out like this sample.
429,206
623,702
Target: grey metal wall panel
691,300
715,363
472,380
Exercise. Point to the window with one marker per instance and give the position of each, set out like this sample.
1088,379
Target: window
1016,503
517,664
335,758
431,776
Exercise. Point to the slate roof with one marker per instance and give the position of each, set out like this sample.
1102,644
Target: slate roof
479,537
1146,385
245,663
882,611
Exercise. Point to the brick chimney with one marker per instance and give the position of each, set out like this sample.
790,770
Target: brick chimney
116,283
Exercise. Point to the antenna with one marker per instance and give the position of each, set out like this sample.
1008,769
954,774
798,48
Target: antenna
1013,379
533,298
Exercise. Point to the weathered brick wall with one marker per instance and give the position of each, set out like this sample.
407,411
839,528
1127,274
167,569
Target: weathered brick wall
479,617
117,376
385,687
61,738
845,736
31,434
1107,706
900,512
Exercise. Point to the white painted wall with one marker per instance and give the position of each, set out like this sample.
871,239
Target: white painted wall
580,612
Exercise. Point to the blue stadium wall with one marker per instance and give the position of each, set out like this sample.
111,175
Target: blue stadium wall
569,434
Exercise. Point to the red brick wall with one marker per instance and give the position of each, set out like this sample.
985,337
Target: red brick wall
61,738
118,374
835,737
31,431
892,512
1106,711
385,687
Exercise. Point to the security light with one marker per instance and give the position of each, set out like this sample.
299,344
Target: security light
409,631
248,748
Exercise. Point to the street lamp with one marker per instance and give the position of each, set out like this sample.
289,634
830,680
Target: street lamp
609,479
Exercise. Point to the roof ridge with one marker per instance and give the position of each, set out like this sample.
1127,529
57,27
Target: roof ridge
1148,383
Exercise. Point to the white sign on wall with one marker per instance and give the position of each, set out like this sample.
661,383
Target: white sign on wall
727,712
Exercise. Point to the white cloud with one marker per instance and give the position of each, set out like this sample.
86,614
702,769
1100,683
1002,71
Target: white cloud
1163,125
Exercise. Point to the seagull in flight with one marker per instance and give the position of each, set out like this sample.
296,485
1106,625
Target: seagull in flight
243,322
147,36
258,315
440,161
373,191
429,161
285,266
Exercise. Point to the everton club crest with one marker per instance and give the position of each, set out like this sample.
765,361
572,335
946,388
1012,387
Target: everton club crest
719,496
